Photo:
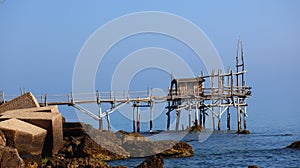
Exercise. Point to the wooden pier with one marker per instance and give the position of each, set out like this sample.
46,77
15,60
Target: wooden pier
210,95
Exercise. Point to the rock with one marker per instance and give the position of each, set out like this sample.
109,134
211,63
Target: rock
244,132
9,157
198,128
85,146
24,101
140,148
2,139
77,162
82,140
47,118
126,136
32,165
253,166
74,129
295,145
27,138
33,161
152,162
180,149
107,145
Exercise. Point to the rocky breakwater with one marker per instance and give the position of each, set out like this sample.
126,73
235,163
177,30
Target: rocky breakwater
87,146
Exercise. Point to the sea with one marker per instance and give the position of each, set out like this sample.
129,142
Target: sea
265,146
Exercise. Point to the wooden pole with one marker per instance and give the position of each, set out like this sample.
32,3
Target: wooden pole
219,115
168,119
151,116
243,67
100,118
108,121
228,118
168,114
139,118
213,119
212,98
232,83
203,115
245,118
178,119
237,66
220,92
196,114
190,116
239,114
133,118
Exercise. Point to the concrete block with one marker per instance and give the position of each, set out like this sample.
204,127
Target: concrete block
24,101
27,138
47,118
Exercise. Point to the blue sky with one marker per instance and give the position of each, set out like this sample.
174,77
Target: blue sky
40,41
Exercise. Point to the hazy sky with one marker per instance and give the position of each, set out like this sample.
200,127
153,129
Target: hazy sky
40,41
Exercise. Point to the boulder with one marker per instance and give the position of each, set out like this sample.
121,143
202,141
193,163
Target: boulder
180,149
27,138
2,139
152,162
140,148
47,118
84,146
77,162
24,101
197,128
9,157
294,145
130,136
244,132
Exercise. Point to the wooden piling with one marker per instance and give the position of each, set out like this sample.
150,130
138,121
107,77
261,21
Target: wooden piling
245,118
139,118
108,121
239,115
178,119
228,118
100,118
133,118
168,120
151,116
197,114
190,116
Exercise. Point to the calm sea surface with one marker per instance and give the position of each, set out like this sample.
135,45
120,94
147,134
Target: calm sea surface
264,147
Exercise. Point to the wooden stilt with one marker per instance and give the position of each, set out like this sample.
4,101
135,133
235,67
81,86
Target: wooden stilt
219,115
228,119
245,118
238,115
190,116
196,114
108,122
133,116
204,119
201,119
168,119
178,119
151,116
100,118
138,118
101,124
